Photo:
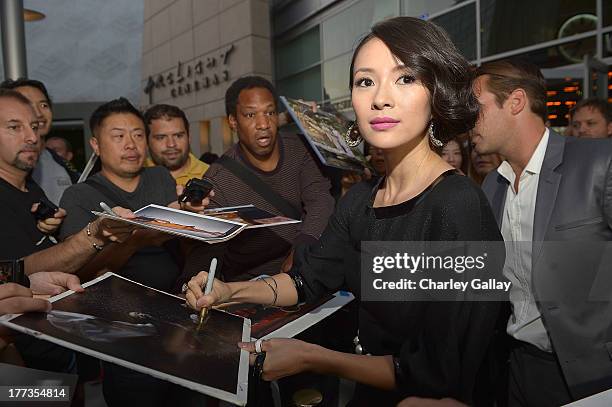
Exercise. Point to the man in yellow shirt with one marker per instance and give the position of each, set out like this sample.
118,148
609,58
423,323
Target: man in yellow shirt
168,138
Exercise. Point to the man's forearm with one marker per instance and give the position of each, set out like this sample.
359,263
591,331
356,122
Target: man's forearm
112,258
68,256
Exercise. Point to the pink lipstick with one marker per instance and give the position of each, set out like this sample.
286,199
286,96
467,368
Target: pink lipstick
383,123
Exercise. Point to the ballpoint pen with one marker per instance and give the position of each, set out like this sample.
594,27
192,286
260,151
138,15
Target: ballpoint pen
208,289
107,209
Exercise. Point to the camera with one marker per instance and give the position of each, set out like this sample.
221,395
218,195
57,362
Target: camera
46,209
195,191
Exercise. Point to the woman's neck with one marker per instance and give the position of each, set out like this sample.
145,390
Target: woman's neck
410,169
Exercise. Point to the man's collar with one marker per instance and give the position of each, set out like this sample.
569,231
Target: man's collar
125,181
193,162
16,181
243,156
506,171
187,167
534,166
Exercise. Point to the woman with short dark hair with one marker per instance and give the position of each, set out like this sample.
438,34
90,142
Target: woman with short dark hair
411,91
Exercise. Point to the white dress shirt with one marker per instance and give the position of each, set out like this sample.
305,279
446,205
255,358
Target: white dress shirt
525,322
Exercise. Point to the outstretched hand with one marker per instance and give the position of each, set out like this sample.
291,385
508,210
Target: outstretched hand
54,282
107,229
16,299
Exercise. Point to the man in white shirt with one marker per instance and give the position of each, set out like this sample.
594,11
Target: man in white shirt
562,347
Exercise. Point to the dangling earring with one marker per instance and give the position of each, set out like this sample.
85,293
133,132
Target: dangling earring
430,132
352,136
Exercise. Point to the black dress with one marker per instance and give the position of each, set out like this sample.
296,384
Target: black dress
440,346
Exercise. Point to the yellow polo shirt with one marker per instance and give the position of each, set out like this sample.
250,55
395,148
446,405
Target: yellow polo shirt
196,169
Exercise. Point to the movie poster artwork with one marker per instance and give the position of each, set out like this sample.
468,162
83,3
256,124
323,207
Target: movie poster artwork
325,133
129,324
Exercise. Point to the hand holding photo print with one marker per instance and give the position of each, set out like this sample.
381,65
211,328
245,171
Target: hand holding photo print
149,331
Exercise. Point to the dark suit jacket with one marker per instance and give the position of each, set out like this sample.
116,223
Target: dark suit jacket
571,270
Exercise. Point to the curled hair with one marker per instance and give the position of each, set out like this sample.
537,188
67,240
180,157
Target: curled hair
426,50
165,112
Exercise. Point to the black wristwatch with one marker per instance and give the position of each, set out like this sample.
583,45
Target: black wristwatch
13,271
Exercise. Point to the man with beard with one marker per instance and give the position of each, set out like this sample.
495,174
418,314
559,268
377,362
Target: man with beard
168,140
592,118
118,138
51,172
24,237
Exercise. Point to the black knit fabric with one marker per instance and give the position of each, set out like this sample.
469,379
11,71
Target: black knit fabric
440,345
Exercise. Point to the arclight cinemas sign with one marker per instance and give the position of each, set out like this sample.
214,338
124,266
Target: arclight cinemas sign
200,74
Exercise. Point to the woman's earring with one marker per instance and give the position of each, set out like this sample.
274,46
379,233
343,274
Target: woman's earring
353,137
430,132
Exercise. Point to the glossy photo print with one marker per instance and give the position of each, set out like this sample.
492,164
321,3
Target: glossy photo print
250,215
131,325
325,132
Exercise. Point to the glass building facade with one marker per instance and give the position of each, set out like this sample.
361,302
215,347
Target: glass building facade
314,40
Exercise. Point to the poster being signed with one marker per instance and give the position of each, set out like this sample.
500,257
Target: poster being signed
134,326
